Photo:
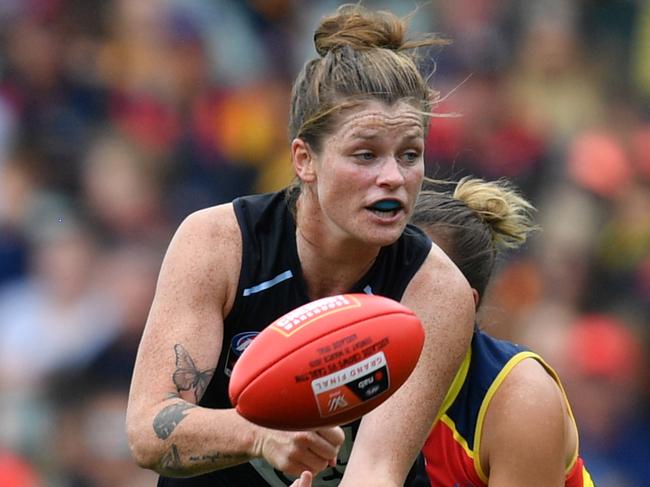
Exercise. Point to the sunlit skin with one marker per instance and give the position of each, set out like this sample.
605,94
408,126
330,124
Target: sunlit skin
376,154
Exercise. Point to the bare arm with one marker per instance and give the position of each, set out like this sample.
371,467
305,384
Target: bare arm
391,436
528,437
178,352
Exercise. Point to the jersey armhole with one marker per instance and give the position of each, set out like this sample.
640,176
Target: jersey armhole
456,385
240,217
556,378
516,359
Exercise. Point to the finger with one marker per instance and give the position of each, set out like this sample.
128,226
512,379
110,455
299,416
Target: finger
301,457
329,449
305,479
334,435
313,462
297,468
321,447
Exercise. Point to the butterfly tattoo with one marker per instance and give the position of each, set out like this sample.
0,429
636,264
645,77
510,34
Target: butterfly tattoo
187,376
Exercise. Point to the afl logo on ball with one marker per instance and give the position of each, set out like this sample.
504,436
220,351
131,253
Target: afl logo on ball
237,346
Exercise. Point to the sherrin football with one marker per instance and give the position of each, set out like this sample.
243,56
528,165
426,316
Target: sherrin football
327,362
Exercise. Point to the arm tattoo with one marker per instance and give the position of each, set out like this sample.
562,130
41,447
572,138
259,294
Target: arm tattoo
187,376
169,417
216,456
171,462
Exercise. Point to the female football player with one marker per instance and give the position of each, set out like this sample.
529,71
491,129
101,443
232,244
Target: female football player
358,119
506,420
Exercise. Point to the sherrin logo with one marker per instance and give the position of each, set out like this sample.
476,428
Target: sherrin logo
306,314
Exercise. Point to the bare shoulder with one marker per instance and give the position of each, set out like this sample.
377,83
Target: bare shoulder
525,428
439,274
527,389
207,245
210,223
439,279
442,299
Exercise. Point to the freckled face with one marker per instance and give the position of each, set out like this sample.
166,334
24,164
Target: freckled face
370,170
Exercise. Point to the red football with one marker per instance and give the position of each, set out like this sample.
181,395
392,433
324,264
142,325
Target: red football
327,362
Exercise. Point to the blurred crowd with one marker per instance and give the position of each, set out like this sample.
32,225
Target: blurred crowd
120,117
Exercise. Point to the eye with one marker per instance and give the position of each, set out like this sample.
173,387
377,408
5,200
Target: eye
411,156
365,156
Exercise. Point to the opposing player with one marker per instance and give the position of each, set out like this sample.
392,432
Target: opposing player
506,420
359,113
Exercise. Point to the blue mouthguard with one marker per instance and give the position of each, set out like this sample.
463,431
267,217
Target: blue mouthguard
386,205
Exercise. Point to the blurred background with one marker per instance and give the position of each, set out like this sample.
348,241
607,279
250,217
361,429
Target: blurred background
120,117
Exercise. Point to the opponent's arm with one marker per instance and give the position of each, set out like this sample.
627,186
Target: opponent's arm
391,436
528,436
178,352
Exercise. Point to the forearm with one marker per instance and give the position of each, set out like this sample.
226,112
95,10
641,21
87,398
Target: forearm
391,436
388,441
179,439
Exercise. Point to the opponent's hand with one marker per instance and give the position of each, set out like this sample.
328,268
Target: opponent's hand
303,481
300,451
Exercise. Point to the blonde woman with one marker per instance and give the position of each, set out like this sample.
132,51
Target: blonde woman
506,420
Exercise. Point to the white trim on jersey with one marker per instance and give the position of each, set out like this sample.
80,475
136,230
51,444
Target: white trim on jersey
268,284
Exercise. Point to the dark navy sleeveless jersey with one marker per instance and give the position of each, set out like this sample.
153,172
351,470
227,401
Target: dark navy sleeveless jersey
271,284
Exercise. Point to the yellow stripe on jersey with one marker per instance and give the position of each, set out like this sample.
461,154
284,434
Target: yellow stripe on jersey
586,479
455,387
457,437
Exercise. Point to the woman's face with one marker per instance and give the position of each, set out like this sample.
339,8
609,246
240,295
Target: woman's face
369,172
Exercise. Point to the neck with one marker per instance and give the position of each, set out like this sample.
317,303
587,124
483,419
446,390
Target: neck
331,264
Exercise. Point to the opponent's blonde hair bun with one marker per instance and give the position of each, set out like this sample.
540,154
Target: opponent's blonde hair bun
498,204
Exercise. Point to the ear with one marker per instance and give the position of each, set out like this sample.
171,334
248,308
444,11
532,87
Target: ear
303,161
476,297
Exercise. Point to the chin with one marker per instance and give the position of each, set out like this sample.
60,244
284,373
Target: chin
384,237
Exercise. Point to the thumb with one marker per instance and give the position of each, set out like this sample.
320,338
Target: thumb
304,480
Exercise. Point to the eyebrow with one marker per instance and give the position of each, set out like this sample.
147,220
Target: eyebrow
365,136
376,135
414,135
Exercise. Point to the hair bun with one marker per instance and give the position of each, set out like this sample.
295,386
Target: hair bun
359,28
500,206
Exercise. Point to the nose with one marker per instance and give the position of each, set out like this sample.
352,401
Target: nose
390,173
